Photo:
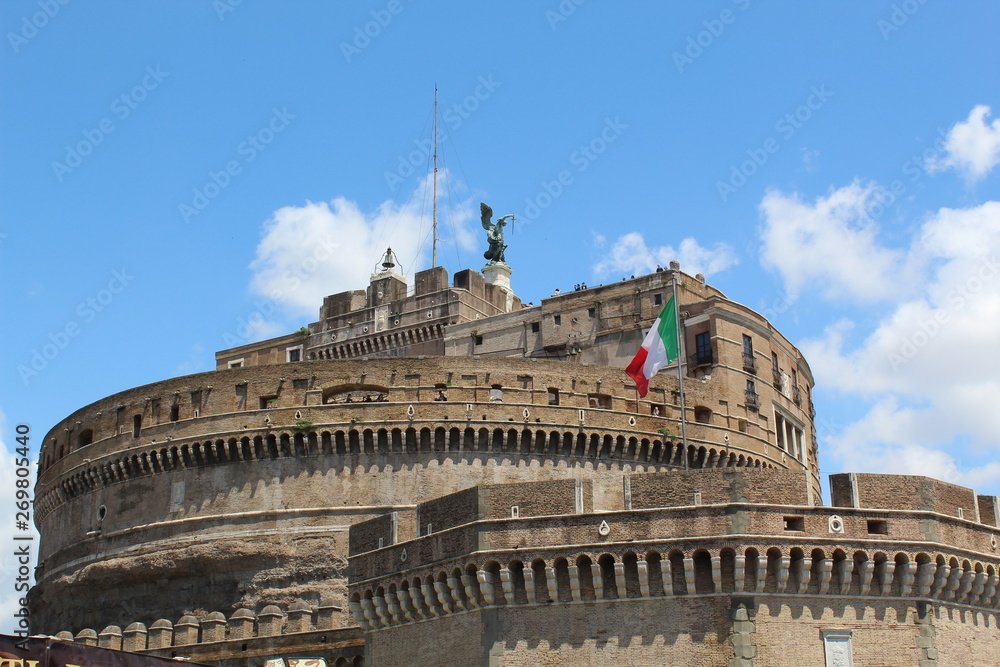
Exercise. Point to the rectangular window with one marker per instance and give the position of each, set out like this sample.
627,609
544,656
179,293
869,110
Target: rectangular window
878,527
267,402
599,401
479,340
557,320
293,353
751,394
534,327
703,349
136,425
236,363
749,361
774,363
591,312
175,412
658,299
796,523
241,397
553,396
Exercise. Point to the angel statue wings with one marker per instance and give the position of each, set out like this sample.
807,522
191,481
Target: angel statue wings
494,234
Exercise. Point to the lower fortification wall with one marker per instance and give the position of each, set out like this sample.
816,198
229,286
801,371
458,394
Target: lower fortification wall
702,631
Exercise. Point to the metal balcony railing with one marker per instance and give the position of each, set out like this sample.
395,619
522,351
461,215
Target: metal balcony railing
752,401
749,363
700,359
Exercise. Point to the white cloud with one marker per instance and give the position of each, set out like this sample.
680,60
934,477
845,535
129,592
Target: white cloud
9,565
930,366
831,244
311,251
972,145
630,255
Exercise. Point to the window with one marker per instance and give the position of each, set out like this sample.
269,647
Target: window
534,327
175,412
591,312
789,435
658,299
479,340
557,320
703,349
496,393
774,364
241,396
749,361
703,415
599,401
878,527
85,438
751,394
267,402
136,425
795,523
294,354
236,363
553,396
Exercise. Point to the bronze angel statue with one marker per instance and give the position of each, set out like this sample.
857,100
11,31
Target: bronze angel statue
494,234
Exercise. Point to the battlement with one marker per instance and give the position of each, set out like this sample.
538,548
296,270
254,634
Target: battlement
737,546
299,628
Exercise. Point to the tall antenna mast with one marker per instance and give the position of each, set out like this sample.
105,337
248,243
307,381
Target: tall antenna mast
434,214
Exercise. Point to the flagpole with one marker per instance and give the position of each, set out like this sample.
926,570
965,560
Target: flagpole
680,366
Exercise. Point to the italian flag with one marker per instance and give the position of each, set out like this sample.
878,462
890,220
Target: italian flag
659,348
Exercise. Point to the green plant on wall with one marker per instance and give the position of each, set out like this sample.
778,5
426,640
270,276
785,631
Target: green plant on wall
303,425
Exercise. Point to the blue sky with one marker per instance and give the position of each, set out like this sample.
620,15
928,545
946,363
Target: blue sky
180,177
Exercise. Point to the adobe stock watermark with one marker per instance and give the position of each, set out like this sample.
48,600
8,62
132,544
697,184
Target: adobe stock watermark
581,158
290,281
86,312
898,17
562,12
370,30
697,44
247,151
914,167
785,127
224,7
121,108
31,25
957,298
453,116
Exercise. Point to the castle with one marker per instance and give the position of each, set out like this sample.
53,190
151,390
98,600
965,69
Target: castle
441,474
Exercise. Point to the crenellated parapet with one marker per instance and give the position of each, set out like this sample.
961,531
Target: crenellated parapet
692,533
216,637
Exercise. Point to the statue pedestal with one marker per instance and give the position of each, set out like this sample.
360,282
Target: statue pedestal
498,274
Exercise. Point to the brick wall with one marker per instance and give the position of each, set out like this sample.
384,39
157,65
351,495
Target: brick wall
448,511
365,536
675,489
914,492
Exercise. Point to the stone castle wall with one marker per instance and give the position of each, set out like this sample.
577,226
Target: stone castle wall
724,581
260,471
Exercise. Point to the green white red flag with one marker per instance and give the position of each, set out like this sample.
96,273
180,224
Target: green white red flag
659,348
